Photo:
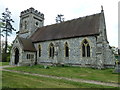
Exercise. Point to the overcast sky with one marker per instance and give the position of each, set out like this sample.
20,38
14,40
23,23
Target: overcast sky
70,9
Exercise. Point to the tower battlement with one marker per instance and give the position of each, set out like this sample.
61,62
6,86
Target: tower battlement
33,11
30,20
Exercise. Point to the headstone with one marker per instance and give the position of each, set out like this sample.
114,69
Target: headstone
117,69
117,66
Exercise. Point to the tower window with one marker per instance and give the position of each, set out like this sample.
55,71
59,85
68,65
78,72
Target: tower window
25,24
66,50
51,50
85,49
36,23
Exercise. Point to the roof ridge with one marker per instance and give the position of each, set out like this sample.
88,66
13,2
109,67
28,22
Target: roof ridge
87,25
65,22
72,19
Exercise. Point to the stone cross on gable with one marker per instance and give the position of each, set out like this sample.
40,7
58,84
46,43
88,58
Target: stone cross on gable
102,8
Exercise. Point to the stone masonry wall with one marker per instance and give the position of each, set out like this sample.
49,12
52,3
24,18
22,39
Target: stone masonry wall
22,55
75,52
12,57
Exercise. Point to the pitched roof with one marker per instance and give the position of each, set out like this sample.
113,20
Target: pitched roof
27,44
88,25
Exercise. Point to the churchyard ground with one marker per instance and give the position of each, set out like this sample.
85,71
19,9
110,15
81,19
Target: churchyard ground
15,80
105,75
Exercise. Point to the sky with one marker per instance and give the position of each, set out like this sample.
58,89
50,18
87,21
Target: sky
71,9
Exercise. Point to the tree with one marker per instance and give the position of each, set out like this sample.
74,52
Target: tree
6,57
7,28
1,25
59,18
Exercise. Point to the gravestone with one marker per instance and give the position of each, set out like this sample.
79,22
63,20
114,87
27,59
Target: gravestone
117,67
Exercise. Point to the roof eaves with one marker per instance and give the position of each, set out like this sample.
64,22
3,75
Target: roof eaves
66,38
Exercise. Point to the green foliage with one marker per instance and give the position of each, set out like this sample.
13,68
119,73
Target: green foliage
4,63
2,24
9,48
72,72
15,80
7,29
6,56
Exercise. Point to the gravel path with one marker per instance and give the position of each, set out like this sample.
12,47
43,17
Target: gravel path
69,79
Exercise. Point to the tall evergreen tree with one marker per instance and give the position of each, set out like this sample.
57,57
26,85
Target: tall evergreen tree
1,26
8,28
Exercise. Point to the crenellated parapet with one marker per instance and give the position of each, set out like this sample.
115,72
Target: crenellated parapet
33,11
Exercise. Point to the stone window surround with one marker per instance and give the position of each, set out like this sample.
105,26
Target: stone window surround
86,50
69,49
30,56
39,50
66,48
89,42
51,50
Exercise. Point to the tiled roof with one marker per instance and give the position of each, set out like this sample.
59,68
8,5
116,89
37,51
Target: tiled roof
84,26
27,44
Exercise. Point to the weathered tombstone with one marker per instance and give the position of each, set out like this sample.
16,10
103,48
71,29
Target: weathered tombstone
117,67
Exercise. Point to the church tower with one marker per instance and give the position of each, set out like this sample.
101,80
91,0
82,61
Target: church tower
30,20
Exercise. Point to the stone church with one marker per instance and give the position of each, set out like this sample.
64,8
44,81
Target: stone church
78,42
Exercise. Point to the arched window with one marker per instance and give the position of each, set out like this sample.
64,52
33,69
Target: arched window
88,50
66,50
85,49
51,50
39,50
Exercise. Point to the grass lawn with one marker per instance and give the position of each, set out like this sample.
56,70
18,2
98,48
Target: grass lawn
15,80
106,75
4,63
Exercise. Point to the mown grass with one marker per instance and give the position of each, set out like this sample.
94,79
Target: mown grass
4,63
15,80
106,75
